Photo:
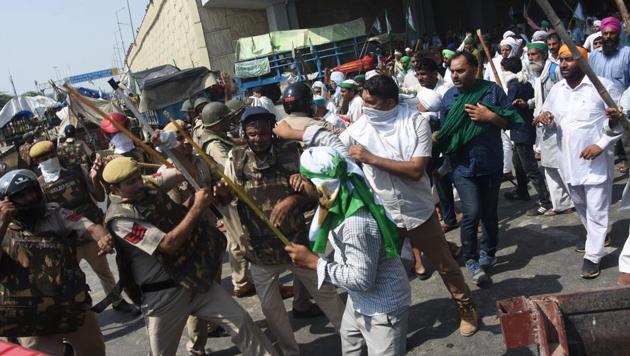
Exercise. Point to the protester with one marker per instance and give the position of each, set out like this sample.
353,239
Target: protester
476,155
588,43
580,129
365,263
352,98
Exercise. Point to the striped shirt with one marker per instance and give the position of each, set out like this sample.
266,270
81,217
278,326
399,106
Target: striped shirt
376,284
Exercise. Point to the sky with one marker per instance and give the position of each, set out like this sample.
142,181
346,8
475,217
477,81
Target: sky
51,39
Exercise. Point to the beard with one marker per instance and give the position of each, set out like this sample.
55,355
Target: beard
27,215
609,46
536,67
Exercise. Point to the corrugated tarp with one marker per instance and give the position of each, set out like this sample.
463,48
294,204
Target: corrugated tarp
283,41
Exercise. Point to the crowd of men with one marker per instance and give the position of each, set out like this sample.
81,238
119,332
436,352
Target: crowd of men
360,171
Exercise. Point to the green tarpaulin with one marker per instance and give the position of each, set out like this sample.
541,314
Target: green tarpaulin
284,41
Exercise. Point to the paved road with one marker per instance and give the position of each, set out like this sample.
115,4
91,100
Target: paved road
536,256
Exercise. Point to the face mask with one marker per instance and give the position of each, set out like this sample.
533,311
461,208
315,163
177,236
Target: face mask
122,143
27,215
375,115
51,168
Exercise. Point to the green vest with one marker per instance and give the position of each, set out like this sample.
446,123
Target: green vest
71,192
194,265
266,183
42,289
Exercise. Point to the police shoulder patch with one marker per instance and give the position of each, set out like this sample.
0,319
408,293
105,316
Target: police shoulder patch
136,234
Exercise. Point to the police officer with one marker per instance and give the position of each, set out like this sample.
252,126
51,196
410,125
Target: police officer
297,100
168,255
198,106
72,190
45,297
265,168
188,110
216,144
73,152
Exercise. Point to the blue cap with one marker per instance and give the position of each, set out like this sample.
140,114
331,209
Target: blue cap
256,113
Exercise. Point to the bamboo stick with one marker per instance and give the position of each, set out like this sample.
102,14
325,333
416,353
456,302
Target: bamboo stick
489,57
235,187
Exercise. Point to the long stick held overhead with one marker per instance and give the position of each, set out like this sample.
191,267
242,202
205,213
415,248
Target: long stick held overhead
489,57
582,63
623,10
235,187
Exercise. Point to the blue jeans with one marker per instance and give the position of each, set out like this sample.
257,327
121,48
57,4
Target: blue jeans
444,188
479,196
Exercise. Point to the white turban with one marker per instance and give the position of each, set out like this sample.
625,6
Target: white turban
321,87
539,36
597,23
337,77
431,100
397,53
507,34
370,74
512,43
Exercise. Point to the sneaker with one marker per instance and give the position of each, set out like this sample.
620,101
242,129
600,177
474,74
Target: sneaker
537,211
486,260
468,318
477,273
589,269
624,279
514,195
580,245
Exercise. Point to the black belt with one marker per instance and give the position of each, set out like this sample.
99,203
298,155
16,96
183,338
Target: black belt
158,286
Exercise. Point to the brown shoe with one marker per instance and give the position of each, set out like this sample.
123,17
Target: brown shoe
245,291
624,279
469,318
286,291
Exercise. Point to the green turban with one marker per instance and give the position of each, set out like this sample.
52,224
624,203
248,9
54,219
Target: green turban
539,45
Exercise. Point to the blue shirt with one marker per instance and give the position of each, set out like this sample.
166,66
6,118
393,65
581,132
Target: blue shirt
484,154
615,68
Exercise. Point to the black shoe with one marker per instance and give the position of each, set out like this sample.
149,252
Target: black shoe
218,332
580,245
514,195
537,211
312,312
124,307
590,269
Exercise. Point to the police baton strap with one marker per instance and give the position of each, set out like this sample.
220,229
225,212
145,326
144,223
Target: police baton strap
235,187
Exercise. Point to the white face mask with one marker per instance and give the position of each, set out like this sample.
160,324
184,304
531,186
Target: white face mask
51,169
122,143
375,115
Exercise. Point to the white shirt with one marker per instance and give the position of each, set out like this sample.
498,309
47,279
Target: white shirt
580,117
408,202
442,86
588,43
355,108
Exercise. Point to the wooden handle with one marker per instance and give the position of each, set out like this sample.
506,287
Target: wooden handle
489,56
623,10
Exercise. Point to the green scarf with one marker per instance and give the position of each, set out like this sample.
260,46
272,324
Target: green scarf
458,129
348,202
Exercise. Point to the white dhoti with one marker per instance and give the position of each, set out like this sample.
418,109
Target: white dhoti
508,166
558,193
592,203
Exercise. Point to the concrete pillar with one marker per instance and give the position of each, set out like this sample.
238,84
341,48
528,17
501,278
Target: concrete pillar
277,17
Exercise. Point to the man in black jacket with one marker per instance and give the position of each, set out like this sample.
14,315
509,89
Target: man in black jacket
524,137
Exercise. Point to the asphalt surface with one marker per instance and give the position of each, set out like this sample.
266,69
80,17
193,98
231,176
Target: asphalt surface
536,256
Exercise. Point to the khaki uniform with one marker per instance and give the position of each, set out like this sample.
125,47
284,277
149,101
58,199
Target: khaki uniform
302,122
266,182
217,146
71,192
172,287
73,153
23,152
45,297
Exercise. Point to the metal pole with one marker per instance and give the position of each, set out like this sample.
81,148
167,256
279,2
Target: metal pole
122,42
133,29
582,63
